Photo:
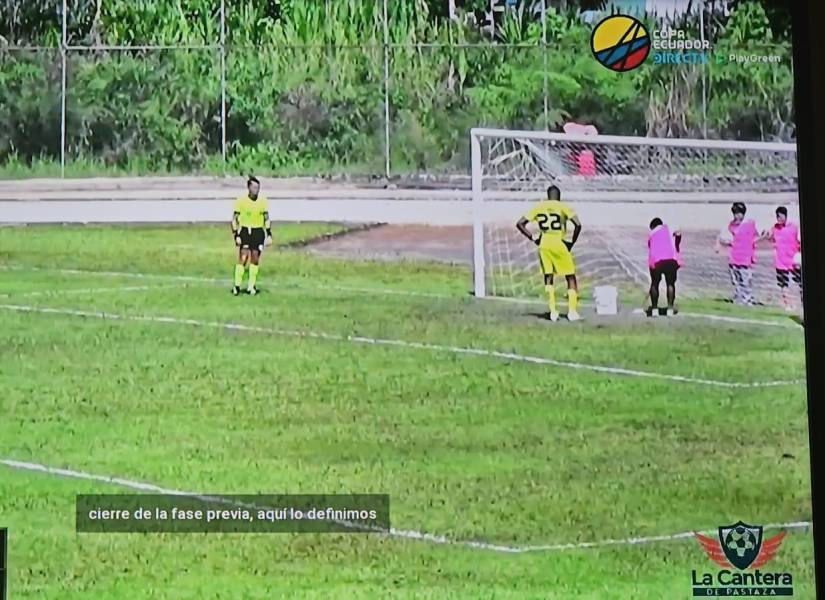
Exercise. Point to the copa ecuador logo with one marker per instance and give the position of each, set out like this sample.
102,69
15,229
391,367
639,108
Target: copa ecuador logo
620,43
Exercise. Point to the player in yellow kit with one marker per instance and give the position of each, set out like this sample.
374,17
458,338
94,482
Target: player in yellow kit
251,231
552,216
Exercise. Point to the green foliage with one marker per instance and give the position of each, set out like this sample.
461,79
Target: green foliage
161,106
26,22
305,85
151,22
29,104
293,106
767,107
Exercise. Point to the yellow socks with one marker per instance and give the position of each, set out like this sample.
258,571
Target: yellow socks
253,275
551,298
573,300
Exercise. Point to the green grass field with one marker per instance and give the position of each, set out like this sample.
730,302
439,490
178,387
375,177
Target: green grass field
378,377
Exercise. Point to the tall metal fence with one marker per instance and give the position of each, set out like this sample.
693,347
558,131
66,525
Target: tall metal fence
380,108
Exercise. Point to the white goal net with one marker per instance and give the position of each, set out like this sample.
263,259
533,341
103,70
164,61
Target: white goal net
617,185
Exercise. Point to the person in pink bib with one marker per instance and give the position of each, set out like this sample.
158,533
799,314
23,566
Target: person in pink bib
741,243
786,255
664,259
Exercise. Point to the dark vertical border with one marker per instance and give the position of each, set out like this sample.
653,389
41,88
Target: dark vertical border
4,535
809,58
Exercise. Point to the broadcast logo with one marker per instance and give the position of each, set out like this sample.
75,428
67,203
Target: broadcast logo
623,43
620,43
740,550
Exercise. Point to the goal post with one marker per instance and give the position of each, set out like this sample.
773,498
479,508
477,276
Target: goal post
617,184
477,172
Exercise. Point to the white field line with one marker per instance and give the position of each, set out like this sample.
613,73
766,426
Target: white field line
371,290
129,288
227,281
689,315
355,339
392,532
727,319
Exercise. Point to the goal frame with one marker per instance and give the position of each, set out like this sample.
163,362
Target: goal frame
477,182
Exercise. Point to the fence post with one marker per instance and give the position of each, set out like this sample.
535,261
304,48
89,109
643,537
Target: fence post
223,85
479,268
386,92
544,57
63,44
704,72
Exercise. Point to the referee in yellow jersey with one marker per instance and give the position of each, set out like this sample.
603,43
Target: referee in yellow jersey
251,231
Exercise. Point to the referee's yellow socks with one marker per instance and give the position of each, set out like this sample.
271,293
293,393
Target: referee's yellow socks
253,275
573,300
551,298
238,275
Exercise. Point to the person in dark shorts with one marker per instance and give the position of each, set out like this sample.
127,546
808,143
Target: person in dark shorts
664,261
787,257
251,230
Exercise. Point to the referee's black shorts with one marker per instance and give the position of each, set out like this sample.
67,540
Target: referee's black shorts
668,268
252,238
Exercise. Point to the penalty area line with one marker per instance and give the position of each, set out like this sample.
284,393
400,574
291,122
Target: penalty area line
370,341
727,319
688,315
392,532
227,282
378,290
104,290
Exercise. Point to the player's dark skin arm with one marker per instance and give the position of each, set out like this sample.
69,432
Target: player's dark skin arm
522,227
243,255
577,229
572,282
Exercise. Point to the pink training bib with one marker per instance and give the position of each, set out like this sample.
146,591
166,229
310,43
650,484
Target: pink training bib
786,245
587,163
660,246
743,249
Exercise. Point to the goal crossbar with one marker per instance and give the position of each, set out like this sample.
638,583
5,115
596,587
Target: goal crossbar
515,134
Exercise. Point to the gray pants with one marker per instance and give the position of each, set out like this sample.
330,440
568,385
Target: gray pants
742,280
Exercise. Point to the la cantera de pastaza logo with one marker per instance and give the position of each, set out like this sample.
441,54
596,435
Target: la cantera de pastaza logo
741,551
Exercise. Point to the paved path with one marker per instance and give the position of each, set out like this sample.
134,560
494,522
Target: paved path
209,199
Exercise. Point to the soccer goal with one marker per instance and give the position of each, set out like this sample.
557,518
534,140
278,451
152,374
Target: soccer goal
617,185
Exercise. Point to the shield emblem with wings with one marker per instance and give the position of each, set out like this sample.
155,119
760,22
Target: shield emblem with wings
740,546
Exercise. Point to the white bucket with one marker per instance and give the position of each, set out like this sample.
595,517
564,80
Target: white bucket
607,300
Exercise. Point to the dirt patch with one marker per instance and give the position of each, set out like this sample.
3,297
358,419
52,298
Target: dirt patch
615,256
453,244
349,229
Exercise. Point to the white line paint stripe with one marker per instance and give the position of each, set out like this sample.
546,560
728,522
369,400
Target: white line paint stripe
393,532
49,293
227,282
727,319
384,291
631,541
401,344
124,274
690,315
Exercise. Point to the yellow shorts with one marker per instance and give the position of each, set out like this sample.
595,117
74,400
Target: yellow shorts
556,259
